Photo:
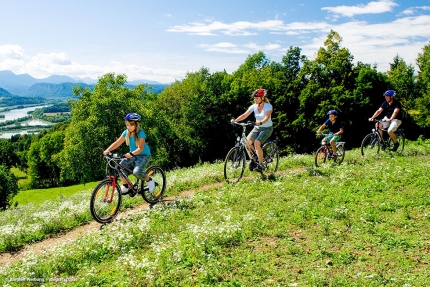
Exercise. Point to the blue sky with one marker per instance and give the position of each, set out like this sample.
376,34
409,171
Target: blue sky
162,40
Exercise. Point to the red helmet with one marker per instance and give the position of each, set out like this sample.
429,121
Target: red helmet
259,93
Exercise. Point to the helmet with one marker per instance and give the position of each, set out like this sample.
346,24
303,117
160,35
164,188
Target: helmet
330,112
132,117
259,93
390,93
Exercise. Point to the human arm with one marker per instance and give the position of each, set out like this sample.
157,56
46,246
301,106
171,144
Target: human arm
138,150
339,132
394,115
323,126
114,145
377,113
242,116
266,118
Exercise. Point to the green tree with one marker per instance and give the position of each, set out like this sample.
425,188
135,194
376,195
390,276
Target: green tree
421,112
97,121
8,156
8,187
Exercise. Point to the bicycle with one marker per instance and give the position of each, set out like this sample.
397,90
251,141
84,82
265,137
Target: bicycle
106,198
325,153
235,161
374,141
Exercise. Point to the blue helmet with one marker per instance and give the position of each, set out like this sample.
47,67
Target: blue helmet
132,117
390,93
330,112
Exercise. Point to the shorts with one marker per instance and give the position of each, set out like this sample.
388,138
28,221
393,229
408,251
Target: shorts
260,134
393,125
137,164
332,136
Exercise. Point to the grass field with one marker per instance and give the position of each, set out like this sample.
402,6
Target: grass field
365,222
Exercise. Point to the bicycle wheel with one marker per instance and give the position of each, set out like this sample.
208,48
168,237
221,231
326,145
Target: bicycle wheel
320,156
370,144
400,140
105,201
234,164
157,174
271,158
340,150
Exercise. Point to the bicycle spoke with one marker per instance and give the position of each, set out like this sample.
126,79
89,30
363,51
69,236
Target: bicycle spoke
321,156
105,202
370,144
157,174
271,158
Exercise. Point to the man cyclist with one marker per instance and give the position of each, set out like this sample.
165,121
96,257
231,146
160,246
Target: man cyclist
390,109
263,123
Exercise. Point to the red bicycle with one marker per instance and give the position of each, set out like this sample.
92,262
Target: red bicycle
325,153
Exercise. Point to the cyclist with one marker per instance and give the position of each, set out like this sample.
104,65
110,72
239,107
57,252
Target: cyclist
263,128
335,129
138,156
391,111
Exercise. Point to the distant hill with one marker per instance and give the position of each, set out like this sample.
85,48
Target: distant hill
22,85
4,93
47,90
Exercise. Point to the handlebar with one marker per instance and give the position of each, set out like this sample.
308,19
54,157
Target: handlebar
247,124
114,156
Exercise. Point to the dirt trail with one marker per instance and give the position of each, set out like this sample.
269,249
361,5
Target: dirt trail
14,257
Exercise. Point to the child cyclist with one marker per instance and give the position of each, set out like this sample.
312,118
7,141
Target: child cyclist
334,127
138,156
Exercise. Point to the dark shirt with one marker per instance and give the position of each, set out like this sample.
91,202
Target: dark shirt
333,128
389,109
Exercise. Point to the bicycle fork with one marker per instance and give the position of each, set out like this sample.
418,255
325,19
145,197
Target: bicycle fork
109,197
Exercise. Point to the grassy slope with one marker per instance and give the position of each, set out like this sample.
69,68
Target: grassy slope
364,223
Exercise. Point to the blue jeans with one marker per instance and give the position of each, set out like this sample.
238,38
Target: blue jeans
137,164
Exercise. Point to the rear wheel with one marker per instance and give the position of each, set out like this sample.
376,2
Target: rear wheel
234,164
340,150
400,140
157,174
271,158
105,201
321,156
370,144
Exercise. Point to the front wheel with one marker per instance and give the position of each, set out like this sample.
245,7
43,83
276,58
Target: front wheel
105,201
321,156
271,158
370,144
157,174
234,164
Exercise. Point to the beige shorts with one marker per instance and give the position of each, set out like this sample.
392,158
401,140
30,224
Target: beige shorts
392,125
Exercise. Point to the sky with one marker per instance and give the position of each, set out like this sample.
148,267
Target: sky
163,40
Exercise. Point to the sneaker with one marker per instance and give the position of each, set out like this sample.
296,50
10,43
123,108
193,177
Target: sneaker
259,167
395,146
125,189
151,185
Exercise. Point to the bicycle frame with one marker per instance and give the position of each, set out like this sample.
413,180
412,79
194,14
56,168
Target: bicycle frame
242,141
375,140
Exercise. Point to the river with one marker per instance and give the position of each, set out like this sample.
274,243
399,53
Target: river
20,113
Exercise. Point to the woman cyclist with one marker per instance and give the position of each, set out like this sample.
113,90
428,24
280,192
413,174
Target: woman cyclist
263,123
138,156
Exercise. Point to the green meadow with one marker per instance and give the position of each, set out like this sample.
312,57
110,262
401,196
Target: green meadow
365,222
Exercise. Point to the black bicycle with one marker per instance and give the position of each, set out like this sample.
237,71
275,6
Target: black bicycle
374,142
235,161
106,198
324,154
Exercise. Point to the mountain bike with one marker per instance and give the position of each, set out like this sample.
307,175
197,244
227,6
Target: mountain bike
324,154
235,161
374,142
106,198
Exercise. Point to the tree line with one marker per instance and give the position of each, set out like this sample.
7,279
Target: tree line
188,122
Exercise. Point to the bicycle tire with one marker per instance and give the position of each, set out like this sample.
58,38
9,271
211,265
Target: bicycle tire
101,209
234,164
320,156
158,175
271,158
340,150
371,142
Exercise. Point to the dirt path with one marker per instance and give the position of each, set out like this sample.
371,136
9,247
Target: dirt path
14,257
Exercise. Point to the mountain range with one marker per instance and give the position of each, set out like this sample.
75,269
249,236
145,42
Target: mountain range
58,86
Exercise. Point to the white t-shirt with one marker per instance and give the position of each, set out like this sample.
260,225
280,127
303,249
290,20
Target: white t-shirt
260,116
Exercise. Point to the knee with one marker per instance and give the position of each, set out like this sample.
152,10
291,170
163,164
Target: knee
257,144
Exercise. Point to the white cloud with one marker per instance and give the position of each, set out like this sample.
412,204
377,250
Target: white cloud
11,51
375,7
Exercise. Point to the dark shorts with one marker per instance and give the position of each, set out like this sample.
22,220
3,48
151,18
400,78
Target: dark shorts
260,134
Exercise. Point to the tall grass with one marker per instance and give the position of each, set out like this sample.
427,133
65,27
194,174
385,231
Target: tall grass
363,223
